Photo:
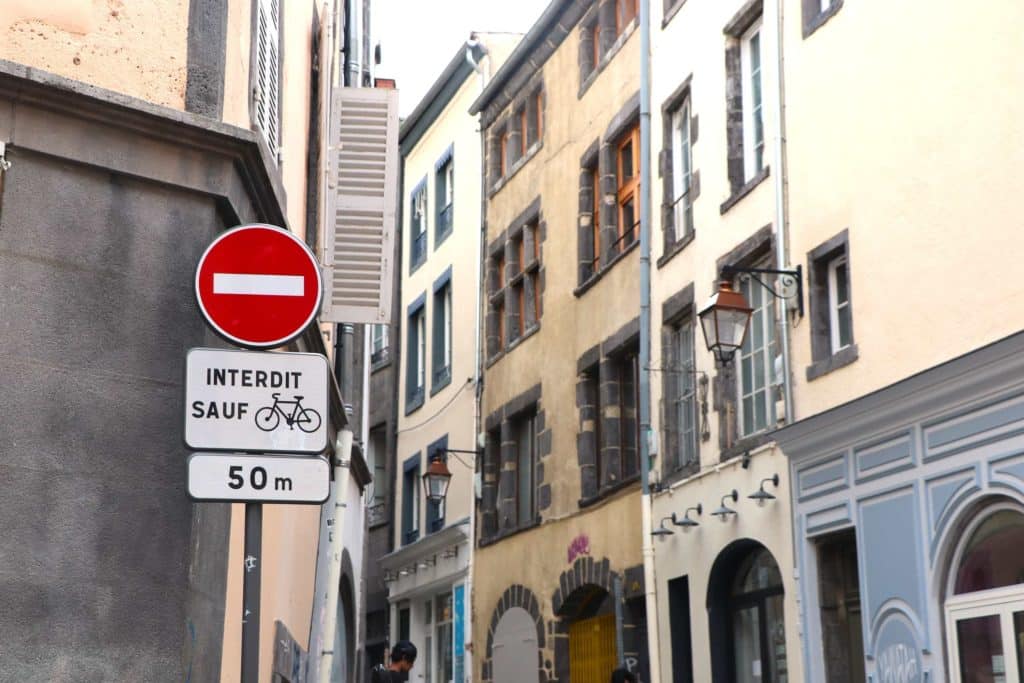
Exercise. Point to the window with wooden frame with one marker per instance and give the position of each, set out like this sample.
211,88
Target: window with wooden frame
503,152
595,32
628,181
531,270
496,296
625,12
533,124
595,222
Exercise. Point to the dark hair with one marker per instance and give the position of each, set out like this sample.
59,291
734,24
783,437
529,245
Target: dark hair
623,676
403,650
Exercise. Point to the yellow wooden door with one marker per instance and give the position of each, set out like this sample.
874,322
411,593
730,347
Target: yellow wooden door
592,651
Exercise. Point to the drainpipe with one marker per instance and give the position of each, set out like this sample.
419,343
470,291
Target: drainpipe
353,47
337,505
483,72
781,239
650,596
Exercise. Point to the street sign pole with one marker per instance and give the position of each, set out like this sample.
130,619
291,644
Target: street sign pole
251,592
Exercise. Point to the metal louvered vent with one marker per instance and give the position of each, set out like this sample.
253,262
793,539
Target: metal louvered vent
361,205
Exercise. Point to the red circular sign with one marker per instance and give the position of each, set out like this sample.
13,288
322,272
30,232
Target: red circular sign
258,286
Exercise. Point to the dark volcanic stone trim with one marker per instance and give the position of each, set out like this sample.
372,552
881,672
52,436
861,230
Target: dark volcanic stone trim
207,47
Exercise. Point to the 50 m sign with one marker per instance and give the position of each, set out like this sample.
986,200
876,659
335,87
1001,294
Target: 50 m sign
258,478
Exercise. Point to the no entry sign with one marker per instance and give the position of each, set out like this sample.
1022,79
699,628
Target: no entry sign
258,286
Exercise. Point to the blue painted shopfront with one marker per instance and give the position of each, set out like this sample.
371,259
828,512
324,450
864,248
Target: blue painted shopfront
918,471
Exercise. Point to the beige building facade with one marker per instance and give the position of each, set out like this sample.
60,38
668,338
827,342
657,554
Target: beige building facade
558,580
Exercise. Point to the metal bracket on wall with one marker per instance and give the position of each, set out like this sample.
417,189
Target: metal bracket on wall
4,163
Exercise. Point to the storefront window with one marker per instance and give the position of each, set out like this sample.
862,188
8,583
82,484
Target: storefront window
758,624
985,613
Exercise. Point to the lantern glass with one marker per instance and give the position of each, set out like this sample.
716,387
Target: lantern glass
436,480
724,320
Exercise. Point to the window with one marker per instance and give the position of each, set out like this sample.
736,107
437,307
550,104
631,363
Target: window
682,173
443,638
377,461
984,604
411,499
681,406
435,511
379,344
441,373
515,287
628,180
589,444
524,435
588,236
840,327
533,124
416,357
839,596
522,123
444,182
753,121
831,318
756,362
745,614
625,12
625,369
817,12
418,229
504,152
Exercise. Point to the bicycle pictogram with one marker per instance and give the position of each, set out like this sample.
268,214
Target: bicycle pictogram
268,418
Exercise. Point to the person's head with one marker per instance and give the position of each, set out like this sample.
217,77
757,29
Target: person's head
403,655
623,676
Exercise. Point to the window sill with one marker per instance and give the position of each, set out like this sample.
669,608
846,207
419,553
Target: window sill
413,267
414,403
440,238
822,18
516,165
839,359
671,12
442,378
745,444
675,248
609,491
746,189
530,331
596,277
508,533
410,537
607,57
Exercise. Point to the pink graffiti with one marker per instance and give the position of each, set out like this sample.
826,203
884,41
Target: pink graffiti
579,546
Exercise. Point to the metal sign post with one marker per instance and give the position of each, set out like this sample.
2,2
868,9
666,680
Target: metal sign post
251,592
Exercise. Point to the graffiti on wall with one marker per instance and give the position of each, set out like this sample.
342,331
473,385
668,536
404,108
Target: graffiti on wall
579,546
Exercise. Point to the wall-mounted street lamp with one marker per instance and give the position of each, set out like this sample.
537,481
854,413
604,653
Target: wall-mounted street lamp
760,495
662,531
724,510
436,480
686,522
726,316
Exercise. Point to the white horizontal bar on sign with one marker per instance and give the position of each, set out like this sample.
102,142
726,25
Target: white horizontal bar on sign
247,283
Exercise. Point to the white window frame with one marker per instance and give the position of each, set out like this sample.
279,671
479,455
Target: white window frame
685,392
825,5
448,326
421,349
380,338
419,208
835,307
764,312
753,101
449,183
682,171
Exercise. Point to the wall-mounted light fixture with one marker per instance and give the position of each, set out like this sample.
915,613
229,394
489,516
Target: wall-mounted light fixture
726,316
686,522
427,562
724,510
760,495
662,531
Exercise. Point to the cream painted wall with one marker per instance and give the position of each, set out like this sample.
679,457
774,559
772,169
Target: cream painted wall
569,325
237,93
451,410
915,146
135,48
692,553
692,45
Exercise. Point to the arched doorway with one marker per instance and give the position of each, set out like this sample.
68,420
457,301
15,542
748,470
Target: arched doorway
589,614
514,651
344,636
746,616
984,606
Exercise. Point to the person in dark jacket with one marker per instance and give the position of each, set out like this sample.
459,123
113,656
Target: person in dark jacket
623,676
403,656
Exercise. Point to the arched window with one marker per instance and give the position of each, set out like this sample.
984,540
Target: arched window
745,608
985,603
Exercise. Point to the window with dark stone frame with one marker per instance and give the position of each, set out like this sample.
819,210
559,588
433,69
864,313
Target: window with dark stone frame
830,304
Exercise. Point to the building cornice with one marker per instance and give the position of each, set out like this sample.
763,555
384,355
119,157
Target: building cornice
985,374
454,534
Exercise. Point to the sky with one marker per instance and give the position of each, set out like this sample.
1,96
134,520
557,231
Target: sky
419,37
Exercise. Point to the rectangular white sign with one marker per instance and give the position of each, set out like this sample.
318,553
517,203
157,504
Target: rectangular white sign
256,401
258,478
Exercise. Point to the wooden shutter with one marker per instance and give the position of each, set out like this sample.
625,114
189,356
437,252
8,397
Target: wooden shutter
361,201
267,97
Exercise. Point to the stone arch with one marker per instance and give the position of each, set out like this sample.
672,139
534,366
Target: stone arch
516,597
